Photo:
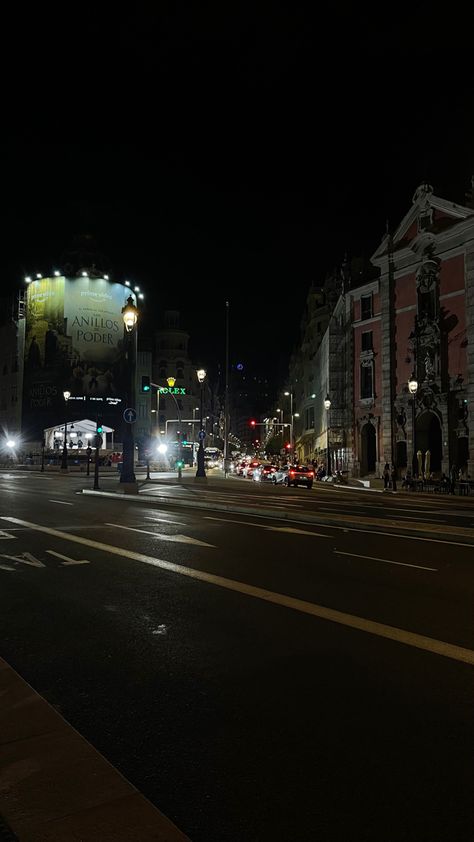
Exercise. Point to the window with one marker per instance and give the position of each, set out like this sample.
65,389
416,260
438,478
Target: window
366,381
180,370
367,341
163,369
366,311
309,425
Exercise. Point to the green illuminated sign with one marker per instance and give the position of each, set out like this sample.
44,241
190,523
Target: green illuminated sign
175,390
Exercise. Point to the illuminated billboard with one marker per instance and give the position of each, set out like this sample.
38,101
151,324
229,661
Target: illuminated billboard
74,341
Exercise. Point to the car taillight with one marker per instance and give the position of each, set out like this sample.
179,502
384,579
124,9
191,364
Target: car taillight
310,473
292,473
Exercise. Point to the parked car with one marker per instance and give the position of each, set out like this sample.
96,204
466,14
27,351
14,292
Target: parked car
249,470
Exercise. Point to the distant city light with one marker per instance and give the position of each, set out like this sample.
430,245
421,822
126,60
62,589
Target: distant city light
127,283
39,275
140,295
57,274
11,443
136,289
28,279
85,275
162,448
106,277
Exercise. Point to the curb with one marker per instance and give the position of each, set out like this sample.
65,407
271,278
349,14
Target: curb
357,525
66,789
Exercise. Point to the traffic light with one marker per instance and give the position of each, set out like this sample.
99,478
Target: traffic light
100,428
288,446
252,423
184,441
146,385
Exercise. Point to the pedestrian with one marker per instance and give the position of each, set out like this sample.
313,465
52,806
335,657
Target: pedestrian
394,477
453,477
386,476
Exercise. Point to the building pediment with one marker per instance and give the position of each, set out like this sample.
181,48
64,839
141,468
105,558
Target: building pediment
428,216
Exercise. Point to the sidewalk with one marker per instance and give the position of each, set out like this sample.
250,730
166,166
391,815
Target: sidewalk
54,786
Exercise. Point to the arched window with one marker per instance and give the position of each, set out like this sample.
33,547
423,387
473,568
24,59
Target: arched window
180,370
162,368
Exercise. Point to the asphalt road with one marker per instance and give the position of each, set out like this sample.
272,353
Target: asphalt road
195,650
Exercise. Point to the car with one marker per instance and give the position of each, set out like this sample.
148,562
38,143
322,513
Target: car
249,470
264,473
280,475
299,475
239,468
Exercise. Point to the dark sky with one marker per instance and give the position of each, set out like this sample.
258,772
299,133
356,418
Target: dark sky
215,154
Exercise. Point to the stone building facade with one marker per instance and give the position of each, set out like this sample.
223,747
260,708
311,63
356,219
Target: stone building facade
409,316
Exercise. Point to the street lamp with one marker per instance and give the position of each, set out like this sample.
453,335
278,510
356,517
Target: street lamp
327,407
413,388
292,444
66,396
201,376
130,319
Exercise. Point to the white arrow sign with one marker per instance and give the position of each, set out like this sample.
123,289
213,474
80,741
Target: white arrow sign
66,560
25,558
4,535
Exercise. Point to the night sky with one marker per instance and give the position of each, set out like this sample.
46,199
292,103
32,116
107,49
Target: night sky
215,155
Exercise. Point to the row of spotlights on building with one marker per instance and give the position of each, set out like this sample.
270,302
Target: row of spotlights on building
57,274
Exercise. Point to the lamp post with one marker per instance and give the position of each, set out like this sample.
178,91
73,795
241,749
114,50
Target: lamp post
290,395
327,407
201,376
43,445
195,409
413,388
130,318
66,396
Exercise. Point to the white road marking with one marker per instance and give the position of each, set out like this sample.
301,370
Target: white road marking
387,561
25,558
67,561
63,502
290,529
163,520
418,641
178,539
6,567
4,536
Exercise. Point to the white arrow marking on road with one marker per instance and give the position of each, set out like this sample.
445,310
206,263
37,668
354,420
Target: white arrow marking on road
289,529
5,535
25,558
179,539
419,641
67,561
6,567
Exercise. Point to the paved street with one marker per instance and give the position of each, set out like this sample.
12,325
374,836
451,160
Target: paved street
256,677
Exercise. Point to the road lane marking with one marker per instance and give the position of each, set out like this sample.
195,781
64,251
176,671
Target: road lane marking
386,561
67,561
4,536
418,641
289,529
178,539
25,558
6,567
63,502
163,520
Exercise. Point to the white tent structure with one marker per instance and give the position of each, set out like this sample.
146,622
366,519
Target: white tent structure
78,435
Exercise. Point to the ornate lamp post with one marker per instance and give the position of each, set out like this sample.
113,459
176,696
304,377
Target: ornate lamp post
327,407
130,319
66,396
413,388
290,396
201,376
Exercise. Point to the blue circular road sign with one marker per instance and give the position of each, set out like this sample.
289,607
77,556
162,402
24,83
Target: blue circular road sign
130,415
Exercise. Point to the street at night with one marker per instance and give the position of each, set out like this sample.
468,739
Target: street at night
191,646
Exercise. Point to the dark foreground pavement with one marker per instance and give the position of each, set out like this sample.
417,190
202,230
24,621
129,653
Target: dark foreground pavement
192,649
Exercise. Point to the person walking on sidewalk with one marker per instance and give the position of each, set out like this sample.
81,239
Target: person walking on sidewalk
394,477
386,476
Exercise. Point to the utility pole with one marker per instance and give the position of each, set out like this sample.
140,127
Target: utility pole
226,398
